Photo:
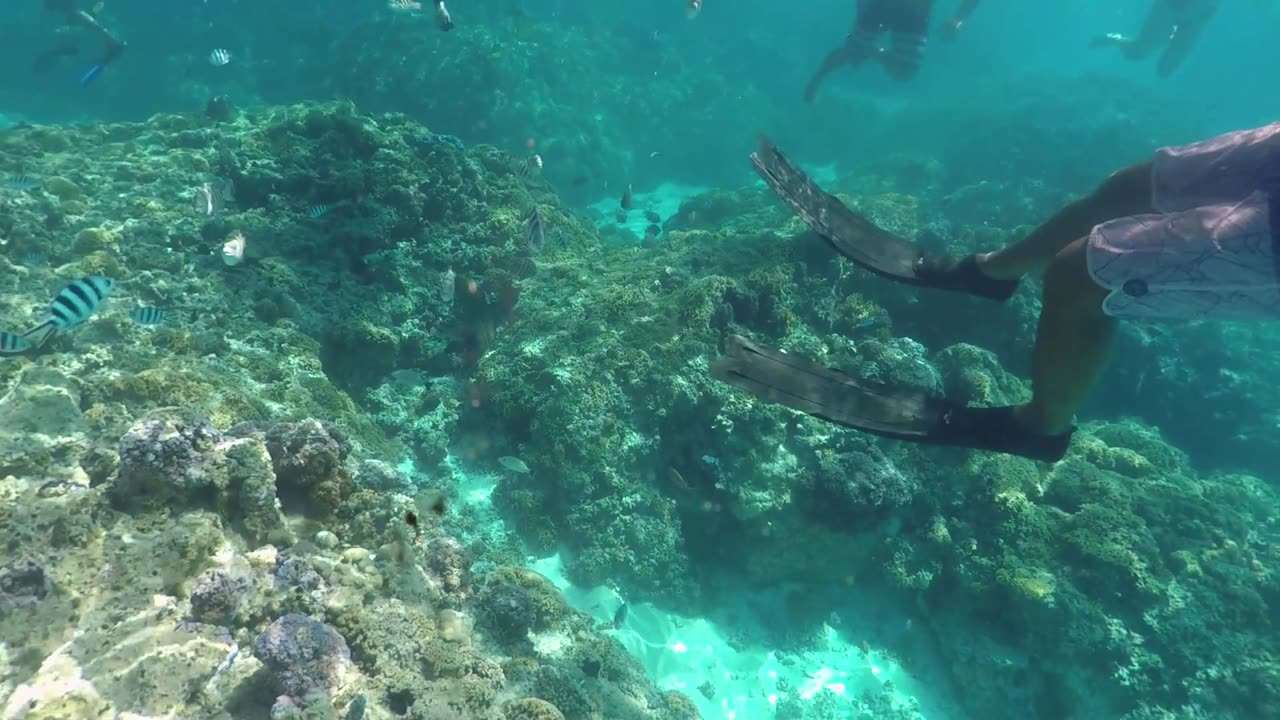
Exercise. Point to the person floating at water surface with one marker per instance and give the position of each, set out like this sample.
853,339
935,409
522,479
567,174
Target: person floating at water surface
906,21
73,16
1193,233
1172,27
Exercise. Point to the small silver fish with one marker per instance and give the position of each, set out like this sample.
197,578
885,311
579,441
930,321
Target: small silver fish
448,286
514,464
219,57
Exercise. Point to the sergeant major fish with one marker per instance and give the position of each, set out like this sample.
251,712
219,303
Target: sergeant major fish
13,344
72,306
148,315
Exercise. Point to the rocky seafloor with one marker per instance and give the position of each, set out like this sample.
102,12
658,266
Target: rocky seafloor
258,508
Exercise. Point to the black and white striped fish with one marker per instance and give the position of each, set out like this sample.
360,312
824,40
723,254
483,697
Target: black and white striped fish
13,344
209,198
19,183
219,57
319,210
148,315
72,306
537,235
527,168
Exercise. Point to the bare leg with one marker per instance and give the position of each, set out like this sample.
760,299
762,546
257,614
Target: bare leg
1072,343
1155,32
1126,192
1180,46
857,49
85,20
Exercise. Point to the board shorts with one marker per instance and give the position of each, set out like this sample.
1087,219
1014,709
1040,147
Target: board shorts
907,17
1213,251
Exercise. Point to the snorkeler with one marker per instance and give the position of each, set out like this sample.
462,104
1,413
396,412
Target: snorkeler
1172,27
1193,233
73,16
906,21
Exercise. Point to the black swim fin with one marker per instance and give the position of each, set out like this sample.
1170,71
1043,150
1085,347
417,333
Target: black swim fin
862,241
901,413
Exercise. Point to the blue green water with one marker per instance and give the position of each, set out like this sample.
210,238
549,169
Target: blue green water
557,397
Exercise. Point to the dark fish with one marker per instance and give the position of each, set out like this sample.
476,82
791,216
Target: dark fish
20,182
580,181
652,232
620,216
620,616
625,203
148,315
652,217
677,479
11,344
71,306
429,502
537,235
412,518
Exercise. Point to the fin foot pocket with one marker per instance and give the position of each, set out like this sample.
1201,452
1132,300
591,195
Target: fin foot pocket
900,413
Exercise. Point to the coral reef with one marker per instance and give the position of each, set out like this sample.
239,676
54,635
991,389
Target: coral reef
149,545
156,483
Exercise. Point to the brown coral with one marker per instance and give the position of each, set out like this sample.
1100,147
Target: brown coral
532,709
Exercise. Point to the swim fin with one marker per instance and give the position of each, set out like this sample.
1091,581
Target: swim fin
862,241
900,413
107,58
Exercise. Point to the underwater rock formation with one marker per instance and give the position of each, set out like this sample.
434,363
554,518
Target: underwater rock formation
304,655
217,597
22,583
173,456
309,458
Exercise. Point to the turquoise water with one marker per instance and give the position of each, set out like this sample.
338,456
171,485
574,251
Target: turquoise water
400,401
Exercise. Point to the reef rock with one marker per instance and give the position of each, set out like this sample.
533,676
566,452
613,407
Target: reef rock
170,456
304,655
22,583
41,425
309,458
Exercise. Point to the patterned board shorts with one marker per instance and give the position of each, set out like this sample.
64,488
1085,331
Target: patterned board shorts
1214,252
